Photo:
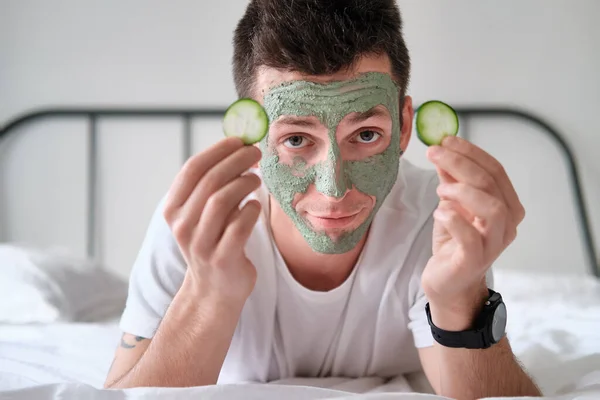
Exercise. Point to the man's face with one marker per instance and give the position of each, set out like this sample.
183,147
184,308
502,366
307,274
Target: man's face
331,155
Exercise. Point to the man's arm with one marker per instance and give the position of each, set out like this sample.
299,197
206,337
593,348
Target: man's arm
205,214
188,349
128,353
475,221
473,374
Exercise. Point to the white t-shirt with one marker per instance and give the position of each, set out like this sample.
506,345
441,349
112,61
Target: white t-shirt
371,325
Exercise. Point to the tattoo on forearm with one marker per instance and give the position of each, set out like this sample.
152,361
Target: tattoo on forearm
126,345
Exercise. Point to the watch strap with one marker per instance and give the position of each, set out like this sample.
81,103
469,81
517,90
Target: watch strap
470,339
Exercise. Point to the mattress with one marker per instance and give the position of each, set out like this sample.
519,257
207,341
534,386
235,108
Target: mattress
64,352
553,326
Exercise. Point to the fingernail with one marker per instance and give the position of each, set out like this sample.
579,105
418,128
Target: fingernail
448,140
434,152
442,188
440,214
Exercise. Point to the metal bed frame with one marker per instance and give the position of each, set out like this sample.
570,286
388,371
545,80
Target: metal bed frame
92,115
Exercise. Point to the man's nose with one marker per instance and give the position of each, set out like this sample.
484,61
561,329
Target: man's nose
330,176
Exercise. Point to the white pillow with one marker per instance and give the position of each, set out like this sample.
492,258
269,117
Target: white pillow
43,286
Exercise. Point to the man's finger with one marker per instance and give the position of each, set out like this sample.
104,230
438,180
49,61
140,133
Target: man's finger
217,177
238,231
447,204
223,207
194,168
463,169
493,167
466,236
490,212
444,176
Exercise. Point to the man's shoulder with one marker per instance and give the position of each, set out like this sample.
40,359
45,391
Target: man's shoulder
403,226
414,191
412,170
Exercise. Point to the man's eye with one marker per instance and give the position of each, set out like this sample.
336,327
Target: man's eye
295,142
368,136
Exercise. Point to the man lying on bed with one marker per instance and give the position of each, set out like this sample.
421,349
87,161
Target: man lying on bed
339,244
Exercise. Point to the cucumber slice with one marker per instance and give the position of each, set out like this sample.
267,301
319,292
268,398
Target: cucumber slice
246,119
435,120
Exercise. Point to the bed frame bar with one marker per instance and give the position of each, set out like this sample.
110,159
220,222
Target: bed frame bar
92,115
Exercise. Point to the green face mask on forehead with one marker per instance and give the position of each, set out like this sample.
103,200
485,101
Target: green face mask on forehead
330,103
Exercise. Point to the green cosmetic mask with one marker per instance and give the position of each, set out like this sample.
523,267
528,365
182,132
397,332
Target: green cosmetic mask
330,103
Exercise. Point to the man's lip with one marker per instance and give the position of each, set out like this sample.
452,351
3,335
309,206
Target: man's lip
328,222
333,216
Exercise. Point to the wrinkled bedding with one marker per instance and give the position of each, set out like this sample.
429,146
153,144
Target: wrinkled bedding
553,326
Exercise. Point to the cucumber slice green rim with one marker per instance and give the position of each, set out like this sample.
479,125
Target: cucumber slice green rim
246,119
434,121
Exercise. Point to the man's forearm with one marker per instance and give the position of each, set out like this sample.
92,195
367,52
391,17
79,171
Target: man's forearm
473,374
190,345
476,373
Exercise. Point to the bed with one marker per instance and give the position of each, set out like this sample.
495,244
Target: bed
60,309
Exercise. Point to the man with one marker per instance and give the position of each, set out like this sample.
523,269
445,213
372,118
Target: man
317,252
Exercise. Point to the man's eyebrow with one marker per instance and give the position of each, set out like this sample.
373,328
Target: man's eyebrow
376,111
303,122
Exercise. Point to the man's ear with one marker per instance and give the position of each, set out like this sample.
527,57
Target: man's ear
407,121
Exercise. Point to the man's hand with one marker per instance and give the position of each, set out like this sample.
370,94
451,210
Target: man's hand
476,220
202,209
203,212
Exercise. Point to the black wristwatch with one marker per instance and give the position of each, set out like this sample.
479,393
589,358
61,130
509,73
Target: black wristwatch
489,327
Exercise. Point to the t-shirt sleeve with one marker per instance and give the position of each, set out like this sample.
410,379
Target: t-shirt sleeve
418,323
156,276
416,314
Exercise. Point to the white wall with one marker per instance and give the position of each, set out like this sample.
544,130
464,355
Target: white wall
539,55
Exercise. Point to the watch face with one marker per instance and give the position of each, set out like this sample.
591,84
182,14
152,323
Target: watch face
499,322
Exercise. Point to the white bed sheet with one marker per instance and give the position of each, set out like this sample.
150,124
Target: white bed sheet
63,352
554,328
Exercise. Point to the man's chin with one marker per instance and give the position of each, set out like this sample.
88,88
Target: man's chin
333,241
325,239
335,234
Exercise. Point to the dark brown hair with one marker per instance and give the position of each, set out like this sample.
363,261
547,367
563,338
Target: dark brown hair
317,37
